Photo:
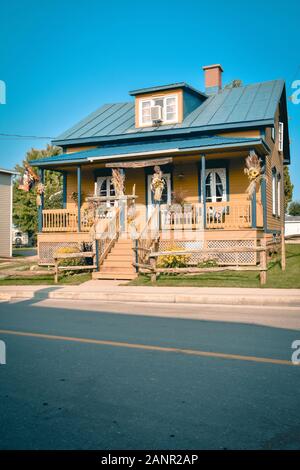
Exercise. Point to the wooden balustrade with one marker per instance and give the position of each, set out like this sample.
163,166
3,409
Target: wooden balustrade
219,215
188,216
148,237
63,220
229,215
110,234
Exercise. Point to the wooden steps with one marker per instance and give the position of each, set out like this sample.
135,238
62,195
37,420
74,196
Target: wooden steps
118,263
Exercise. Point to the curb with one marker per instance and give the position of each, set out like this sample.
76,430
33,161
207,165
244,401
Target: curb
165,298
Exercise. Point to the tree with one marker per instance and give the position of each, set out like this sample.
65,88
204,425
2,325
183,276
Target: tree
25,211
294,208
288,187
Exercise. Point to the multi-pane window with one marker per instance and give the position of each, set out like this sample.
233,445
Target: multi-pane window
105,188
145,108
169,107
215,184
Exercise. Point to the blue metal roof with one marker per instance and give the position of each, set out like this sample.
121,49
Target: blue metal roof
230,108
136,149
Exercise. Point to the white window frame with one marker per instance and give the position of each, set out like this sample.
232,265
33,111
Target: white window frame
273,133
152,103
222,174
274,191
278,194
280,136
100,181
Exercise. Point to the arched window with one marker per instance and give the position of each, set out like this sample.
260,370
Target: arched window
105,188
215,185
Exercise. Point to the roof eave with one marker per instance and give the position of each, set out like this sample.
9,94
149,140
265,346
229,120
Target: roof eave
259,144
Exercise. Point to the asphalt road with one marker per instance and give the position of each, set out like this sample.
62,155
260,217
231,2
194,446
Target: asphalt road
90,379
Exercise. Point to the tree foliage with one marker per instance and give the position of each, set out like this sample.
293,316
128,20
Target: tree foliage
294,208
288,187
25,212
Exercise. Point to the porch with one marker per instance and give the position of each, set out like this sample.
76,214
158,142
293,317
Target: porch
203,201
191,216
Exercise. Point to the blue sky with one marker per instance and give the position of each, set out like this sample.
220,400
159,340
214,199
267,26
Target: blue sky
61,59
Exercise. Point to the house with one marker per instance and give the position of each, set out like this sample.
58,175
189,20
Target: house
292,225
199,140
6,192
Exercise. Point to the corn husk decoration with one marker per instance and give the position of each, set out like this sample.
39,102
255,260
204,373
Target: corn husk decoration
255,173
40,189
157,184
118,180
29,179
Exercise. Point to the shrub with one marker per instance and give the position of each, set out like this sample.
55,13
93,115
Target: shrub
69,261
207,263
173,261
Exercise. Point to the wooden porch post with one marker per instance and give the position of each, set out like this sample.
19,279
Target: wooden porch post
283,255
122,202
41,207
203,191
79,198
253,209
263,187
64,189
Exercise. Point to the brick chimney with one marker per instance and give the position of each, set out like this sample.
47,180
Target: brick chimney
212,78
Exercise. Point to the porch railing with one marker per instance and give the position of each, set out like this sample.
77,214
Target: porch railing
219,215
64,220
188,216
229,215
109,235
148,237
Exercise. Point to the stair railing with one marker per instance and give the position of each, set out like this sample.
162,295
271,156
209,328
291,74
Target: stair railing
109,235
147,238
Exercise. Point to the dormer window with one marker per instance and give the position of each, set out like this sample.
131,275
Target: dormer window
166,109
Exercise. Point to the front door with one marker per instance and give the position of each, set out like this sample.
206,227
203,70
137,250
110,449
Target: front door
166,194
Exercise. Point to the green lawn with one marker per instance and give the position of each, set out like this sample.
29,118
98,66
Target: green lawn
276,278
46,279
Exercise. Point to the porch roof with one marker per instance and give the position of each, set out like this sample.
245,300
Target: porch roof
109,152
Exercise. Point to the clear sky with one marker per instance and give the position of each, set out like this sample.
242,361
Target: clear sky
61,59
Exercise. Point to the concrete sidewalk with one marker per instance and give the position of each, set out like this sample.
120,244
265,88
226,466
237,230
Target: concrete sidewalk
111,291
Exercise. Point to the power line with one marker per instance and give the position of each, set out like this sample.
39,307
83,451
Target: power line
20,136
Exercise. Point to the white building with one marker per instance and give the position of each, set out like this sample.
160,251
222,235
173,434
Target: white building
6,195
292,225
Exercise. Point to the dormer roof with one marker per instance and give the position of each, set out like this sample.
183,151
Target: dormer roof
172,86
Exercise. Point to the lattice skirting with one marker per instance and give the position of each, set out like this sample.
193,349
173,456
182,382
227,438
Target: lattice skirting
247,258
47,250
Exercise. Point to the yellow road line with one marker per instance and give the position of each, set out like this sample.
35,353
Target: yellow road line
192,352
